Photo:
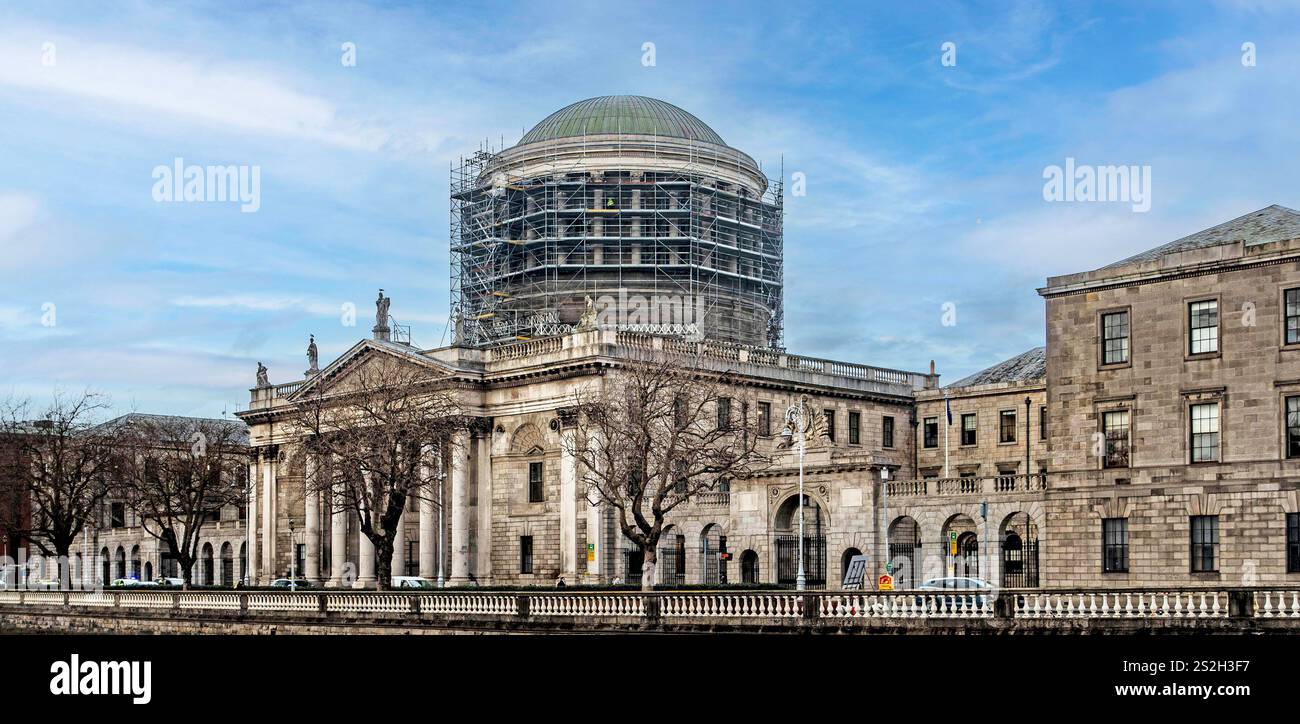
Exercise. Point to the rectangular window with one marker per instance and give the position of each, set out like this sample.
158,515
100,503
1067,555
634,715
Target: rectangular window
1293,542
1114,338
830,424
1114,545
968,431
1115,427
1205,543
412,558
1204,326
525,554
724,413
765,418
931,433
1293,427
1205,432
887,431
1007,426
535,483
117,511
855,428
1292,316
1042,422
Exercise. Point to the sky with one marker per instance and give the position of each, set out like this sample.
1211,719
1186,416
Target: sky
921,233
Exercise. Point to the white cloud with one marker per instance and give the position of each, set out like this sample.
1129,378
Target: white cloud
225,94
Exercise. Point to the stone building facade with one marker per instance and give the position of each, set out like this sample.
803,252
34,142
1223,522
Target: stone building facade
1152,441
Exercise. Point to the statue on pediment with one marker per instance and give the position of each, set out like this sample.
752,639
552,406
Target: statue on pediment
313,357
262,381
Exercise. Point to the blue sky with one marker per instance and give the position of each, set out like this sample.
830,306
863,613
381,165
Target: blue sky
924,181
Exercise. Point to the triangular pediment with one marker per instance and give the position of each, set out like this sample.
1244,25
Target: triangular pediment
334,376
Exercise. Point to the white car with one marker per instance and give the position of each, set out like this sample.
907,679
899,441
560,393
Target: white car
413,582
120,582
168,581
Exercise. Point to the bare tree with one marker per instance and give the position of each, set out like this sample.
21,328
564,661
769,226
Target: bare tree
177,473
374,435
655,435
59,463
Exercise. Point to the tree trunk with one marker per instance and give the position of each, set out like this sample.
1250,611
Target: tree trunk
384,563
649,567
187,573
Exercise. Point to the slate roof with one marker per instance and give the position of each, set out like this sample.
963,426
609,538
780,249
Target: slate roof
1025,367
239,428
1269,224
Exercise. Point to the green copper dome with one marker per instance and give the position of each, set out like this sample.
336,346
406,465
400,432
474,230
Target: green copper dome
637,115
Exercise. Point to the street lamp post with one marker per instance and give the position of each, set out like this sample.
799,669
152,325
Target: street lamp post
796,418
293,557
442,527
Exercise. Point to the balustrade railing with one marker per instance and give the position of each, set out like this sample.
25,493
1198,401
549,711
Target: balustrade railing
971,485
1172,604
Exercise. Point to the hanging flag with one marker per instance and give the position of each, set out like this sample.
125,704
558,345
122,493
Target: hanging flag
947,404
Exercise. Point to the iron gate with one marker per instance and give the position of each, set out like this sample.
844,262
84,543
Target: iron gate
814,561
1019,563
905,558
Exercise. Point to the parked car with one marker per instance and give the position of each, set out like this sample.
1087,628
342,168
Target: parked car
975,597
293,583
168,581
413,582
130,581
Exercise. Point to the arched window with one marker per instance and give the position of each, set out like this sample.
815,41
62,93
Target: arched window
227,564
148,570
105,566
136,571
207,571
121,562
846,559
749,567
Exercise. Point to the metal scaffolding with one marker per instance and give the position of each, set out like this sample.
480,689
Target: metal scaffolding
527,250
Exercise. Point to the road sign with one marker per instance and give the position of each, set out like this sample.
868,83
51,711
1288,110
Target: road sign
591,551
889,567
952,536
952,547
886,583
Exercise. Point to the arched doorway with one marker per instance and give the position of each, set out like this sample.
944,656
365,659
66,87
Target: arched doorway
136,570
749,567
121,562
1019,542
105,566
847,558
786,537
671,568
207,573
243,564
961,546
905,551
148,570
712,545
227,564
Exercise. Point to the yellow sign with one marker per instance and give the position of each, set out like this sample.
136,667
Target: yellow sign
952,548
591,551
886,583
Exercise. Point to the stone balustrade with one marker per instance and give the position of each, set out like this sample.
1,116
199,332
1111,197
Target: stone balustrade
987,485
766,608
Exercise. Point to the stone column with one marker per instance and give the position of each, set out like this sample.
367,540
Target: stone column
338,538
250,572
428,518
460,451
397,567
365,552
312,516
568,506
267,568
